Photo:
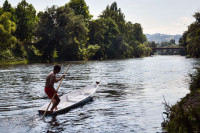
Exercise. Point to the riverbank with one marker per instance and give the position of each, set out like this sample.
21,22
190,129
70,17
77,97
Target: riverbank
184,116
13,62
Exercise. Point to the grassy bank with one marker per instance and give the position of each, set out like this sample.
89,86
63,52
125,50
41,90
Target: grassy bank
13,61
24,61
9,57
184,116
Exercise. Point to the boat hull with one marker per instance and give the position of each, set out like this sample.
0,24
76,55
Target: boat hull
72,100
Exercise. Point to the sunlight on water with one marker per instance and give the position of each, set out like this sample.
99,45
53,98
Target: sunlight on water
129,98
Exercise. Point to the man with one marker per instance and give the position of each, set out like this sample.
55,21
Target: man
49,86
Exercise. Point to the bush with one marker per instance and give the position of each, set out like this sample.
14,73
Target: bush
184,117
195,80
91,51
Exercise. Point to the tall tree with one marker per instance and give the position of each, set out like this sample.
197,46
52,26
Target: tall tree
25,19
191,37
111,32
7,6
115,13
74,34
7,27
96,36
80,8
130,35
138,33
96,32
46,32
197,17
182,40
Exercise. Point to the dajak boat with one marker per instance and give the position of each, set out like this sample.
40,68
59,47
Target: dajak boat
72,99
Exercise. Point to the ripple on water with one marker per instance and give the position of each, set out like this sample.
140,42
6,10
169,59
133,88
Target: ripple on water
129,98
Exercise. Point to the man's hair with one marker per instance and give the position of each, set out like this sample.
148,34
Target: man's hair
57,67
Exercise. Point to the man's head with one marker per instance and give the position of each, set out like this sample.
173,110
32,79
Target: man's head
57,69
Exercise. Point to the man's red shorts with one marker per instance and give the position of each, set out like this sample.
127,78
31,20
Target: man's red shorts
50,92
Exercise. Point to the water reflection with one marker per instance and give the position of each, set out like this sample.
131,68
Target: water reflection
129,98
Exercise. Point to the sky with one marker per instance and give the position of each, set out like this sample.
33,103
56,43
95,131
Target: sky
155,16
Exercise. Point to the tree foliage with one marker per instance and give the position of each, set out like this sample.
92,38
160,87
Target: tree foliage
134,32
68,33
80,8
25,20
116,14
7,27
191,37
1,11
59,29
7,6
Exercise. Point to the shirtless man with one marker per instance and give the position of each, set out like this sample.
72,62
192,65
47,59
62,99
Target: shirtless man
49,86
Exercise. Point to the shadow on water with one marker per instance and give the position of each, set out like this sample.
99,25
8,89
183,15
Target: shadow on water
53,126
114,90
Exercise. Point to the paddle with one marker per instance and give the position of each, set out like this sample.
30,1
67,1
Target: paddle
55,93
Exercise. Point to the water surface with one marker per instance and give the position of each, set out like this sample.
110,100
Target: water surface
129,98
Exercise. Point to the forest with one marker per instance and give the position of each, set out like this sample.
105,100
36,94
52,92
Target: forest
68,33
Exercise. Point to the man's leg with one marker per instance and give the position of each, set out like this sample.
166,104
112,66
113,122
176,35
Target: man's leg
56,101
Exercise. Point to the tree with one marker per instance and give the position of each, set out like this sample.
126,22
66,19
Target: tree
61,31
46,33
111,33
25,20
138,33
80,8
7,27
91,51
134,32
1,11
130,36
172,41
193,40
191,37
197,17
7,6
96,36
182,40
115,13
74,34
103,32
152,44
96,32
139,50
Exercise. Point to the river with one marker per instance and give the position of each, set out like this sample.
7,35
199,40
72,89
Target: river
129,98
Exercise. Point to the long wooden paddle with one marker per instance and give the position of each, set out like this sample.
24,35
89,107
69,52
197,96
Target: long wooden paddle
55,93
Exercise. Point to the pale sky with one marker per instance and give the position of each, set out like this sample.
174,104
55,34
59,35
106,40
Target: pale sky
155,16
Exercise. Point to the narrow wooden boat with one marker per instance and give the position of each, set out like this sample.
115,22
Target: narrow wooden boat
72,99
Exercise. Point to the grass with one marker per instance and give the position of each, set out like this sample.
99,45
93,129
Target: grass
13,62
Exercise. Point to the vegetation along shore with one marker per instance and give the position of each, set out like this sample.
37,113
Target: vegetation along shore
68,33
184,116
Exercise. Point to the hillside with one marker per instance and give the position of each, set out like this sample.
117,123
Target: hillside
158,38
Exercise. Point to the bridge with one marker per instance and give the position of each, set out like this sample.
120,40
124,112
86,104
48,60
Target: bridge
165,48
170,50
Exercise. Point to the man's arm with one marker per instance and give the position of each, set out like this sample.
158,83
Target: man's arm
56,80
